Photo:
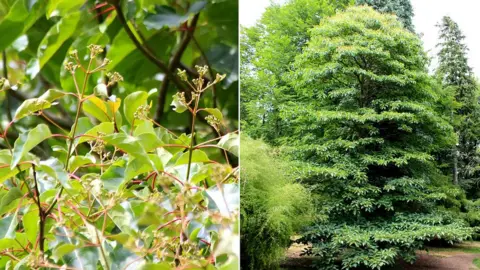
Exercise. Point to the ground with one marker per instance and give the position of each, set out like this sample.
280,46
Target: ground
458,257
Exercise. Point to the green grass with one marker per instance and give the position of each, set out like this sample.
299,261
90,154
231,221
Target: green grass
476,262
468,247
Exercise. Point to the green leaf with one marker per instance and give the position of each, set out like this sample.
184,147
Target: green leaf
136,167
8,225
132,102
197,156
225,200
13,194
30,222
113,177
31,106
51,95
54,39
62,250
215,112
231,143
27,141
77,161
122,46
92,134
18,21
166,16
156,266
62,8
96,108
55,168
178,105
5,171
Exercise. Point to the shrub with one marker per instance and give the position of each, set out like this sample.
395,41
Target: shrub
273,206
140,197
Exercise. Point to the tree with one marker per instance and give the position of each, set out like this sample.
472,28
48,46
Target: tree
362,119
268,50
456,76
402,8
114,149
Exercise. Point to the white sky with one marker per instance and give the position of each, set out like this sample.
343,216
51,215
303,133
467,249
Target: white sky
427,14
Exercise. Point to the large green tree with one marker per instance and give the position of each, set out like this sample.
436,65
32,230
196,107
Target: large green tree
402,8
362,118
456,76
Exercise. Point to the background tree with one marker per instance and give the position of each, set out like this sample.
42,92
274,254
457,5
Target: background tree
268,50
362,118
402,8
456,76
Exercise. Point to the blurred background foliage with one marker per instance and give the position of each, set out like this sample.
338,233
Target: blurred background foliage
146,40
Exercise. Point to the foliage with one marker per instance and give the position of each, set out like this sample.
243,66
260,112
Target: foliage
90,177
273,206
401,8
457,77
268,51
363,119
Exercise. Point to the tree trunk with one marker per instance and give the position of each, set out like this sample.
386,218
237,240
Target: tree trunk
455,166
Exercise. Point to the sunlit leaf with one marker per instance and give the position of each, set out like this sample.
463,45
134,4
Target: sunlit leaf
27,141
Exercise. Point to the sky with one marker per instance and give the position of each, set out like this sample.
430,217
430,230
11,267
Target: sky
427,14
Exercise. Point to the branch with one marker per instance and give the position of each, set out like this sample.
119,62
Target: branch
150,56
174,62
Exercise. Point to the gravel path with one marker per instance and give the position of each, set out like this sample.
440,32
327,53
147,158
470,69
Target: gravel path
435,259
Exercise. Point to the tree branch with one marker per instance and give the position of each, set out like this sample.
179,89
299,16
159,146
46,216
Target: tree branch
150,56
174,62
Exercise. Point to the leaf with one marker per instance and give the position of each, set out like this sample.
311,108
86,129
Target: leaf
226,200
96,108
62,8
55,168
54,39
215,112
51,95
100,90
62,250
113,177
132,103
92,134
136,167
178,105
197,156
167,17
8,225
77,161
31,106
156,266
231,143
5,171
27,141
18,21
122,46
30,223
13,194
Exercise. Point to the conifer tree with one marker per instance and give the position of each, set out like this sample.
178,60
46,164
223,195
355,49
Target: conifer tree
402,8
363,120
456,75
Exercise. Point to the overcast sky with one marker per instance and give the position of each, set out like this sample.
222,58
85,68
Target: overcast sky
427,14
